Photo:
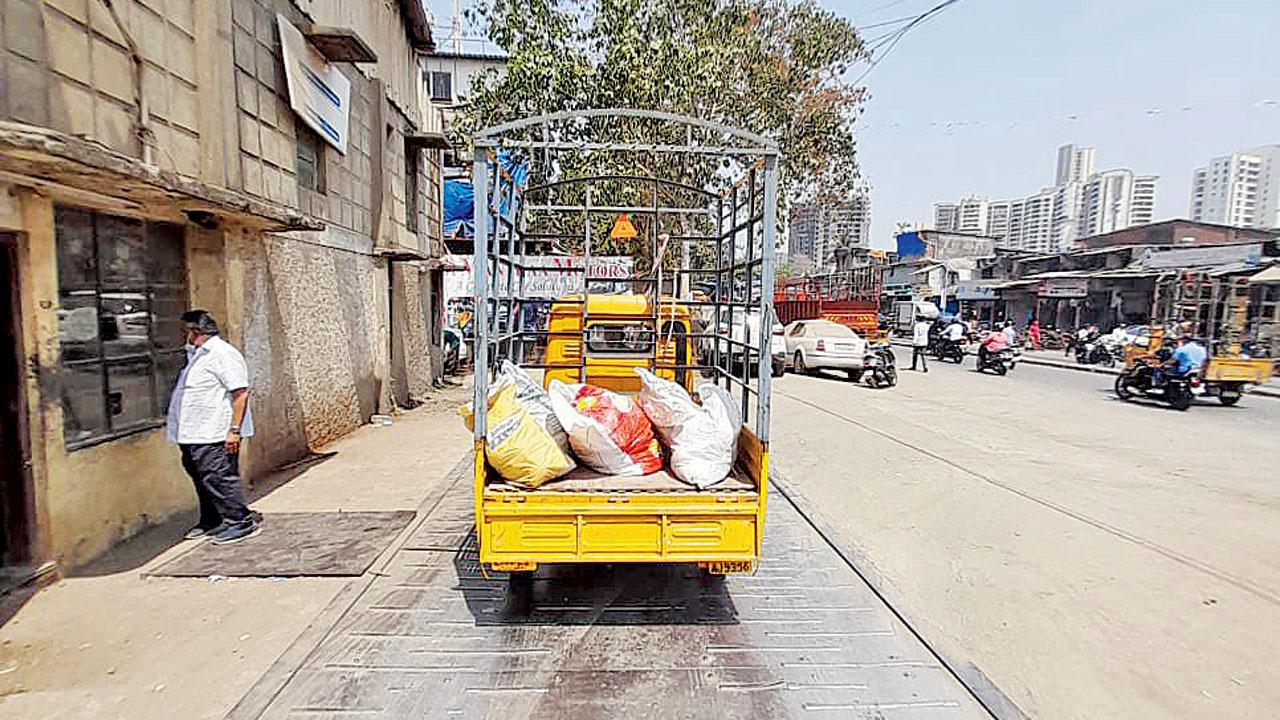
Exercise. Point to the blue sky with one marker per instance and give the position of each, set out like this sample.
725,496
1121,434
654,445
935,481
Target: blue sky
978,99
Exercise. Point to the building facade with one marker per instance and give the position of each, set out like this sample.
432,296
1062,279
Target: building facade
1241,189
151,161
1114,200
816,231
1081,202
1075,164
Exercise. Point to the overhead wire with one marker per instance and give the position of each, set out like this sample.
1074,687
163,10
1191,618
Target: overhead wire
890,40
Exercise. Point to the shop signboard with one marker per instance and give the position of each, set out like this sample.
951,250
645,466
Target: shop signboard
1064,288
318,91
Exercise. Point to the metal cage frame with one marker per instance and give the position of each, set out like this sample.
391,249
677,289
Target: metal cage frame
744,215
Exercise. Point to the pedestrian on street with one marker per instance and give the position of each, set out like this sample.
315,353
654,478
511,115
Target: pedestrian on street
920,342
1033,332
208,418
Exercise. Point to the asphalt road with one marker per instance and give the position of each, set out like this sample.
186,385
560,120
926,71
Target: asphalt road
1091,558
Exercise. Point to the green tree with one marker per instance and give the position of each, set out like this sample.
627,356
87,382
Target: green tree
769,66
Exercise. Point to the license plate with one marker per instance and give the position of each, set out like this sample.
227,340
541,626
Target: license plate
726,567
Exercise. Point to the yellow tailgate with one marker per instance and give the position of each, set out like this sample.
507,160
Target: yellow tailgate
521,529
1247,370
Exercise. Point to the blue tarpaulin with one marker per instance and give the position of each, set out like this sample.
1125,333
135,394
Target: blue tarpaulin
459,201
459,196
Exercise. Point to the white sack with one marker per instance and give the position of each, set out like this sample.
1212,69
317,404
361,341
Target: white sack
702,439
608,432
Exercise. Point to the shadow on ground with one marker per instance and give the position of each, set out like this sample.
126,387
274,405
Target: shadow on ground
594,594
140,550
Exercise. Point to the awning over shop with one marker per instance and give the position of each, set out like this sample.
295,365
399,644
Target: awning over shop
1270,276
93,175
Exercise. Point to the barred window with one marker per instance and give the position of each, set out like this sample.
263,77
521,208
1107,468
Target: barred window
122,289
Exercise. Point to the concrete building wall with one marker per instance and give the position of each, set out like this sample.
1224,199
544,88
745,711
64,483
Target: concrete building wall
463,70
68,66
332,328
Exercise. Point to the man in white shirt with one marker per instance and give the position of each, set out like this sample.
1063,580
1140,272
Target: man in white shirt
208,417
919,342
1010,333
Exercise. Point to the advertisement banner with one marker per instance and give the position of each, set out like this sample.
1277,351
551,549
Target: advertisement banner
318,91
546,276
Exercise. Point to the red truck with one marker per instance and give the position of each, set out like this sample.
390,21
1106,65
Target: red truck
849,297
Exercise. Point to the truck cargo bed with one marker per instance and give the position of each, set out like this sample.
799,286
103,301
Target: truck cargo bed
585,480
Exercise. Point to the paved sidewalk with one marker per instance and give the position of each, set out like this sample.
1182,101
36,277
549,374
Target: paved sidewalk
109,642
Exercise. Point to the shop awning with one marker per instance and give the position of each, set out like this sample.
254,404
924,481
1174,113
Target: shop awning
1270,276
87,173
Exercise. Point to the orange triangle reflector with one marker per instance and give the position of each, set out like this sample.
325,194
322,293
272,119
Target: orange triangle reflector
623,229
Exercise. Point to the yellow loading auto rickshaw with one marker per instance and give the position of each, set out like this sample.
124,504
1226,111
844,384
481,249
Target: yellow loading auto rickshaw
1214,310
721,238
620,337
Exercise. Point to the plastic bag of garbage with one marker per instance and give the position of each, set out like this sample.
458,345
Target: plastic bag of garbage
607,431
702,439
518,447
535,400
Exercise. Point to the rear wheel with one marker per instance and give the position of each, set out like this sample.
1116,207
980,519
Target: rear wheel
520,593
1229,396
1179,397
779,368
1122,387
799,363
855,375
890,377
1000,368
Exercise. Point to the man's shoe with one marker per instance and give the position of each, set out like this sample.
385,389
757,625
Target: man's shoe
200,531
235,532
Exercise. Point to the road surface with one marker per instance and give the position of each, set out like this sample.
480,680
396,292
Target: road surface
429,635
1091,558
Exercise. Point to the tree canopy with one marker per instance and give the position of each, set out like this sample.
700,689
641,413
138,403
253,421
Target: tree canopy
773,67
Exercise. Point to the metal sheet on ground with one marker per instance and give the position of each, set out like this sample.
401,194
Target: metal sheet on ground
802,637
297,544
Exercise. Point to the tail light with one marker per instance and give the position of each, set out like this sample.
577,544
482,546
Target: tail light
821,346
1195,381
778,332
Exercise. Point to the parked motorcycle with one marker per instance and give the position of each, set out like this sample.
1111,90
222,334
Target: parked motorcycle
999,362
879,366
1178,391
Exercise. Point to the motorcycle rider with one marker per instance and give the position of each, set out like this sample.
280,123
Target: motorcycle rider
992,343
1010,333
955,332
1188,358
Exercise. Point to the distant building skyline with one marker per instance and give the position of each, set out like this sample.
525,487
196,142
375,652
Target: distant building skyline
1082,202
815,231
1241,189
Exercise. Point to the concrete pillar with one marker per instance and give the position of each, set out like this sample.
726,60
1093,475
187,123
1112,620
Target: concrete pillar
38,270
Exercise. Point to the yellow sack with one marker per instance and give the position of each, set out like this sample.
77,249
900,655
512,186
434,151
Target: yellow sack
520,449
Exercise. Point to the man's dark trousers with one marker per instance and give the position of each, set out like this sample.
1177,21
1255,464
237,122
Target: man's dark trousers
918,353
216,474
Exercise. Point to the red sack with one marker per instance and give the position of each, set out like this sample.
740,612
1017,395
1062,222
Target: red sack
607,430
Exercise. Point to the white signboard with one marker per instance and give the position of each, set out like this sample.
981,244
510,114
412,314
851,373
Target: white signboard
545,276
1065,288
1202,256
318,91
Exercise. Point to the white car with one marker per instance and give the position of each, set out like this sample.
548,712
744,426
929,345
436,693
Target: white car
822,344
745,328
